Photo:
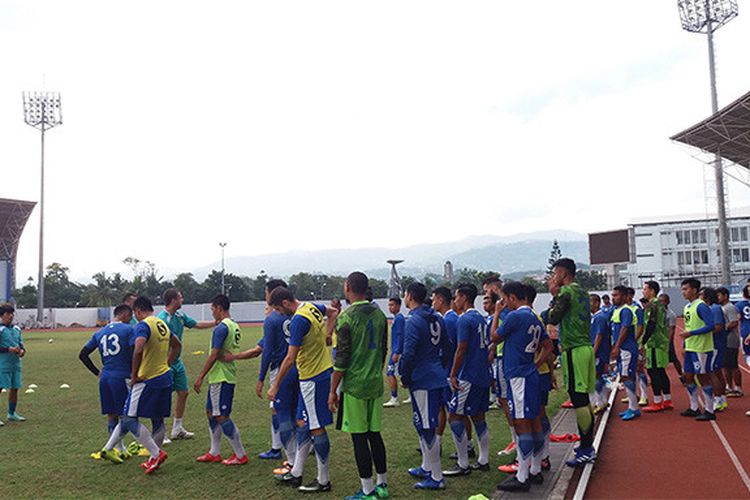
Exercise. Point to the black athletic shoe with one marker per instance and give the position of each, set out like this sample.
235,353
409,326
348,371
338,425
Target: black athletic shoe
546,465
289,479
690,413
480,467
454,455
536,478
315,487
457,470
513,484
705,416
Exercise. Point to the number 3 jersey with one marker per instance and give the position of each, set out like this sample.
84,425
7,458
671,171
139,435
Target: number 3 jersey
472,329
522,331
114,344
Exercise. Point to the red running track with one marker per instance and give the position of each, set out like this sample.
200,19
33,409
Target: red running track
664,455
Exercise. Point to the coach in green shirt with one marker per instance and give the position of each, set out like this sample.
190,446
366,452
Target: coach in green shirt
361,348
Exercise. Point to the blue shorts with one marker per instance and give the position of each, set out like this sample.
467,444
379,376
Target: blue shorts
698,363
719,353
219,399
312,406
469,399
501,388
602,363
11,380
426,405
286,400
524,399
113,392
545,386
179,376
150,399
392,368
745,348
627,363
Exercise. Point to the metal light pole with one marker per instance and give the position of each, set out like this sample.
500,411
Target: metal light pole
42,110
223,288
707,16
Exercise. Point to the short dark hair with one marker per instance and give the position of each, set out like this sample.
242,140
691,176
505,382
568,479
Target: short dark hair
567,264
369,294
622,289
723,290
709,295
595,297
643,300
653,285
273,284
358,283
417,291
128,295
605,297
6,308
692,283
746,291
221,301
515,288
279,295
444,292
631,291
395,300
666,295
530,294
169,295
122,308
468,290
143,304
490,279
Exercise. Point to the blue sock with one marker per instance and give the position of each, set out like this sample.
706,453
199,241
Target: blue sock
481,428
429,436
599,385
546,427
275,422
525,448
322,446
286,428
111,424
11,408
708,398
630,384
130,424
303,435
228,427
212,423
394,394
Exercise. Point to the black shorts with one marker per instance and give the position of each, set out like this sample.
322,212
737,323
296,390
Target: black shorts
730,358
672,353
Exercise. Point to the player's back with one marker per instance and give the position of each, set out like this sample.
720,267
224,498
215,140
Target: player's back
425,346
600,327
156,349
522,331
720,337
743,308
276,337
364,333
114,344
472,329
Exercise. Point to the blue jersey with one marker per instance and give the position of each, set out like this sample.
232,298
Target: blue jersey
397,333
743,308
275,341
115,348
720,339
451,320
521,333
472,330
600,328
10,336
623,317
424,360
607,310
638,314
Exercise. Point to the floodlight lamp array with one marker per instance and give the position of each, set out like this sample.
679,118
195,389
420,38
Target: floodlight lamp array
42,109
698,16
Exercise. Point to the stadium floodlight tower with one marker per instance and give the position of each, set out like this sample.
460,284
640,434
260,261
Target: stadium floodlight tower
394,282
223,287
43,111
706,16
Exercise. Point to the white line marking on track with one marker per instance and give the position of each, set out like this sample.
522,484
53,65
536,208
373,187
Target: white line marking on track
732,456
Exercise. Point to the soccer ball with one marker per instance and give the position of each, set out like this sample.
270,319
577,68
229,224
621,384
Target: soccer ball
50,341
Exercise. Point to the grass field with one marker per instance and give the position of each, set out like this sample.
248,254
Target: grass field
48,456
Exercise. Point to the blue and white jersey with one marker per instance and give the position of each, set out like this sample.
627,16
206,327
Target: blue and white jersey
607,310
424,360
275,340
743,308
600,328
114,342
451,321
720,339
472,330
521,333
397,333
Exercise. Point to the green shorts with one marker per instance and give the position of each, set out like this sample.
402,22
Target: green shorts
656,357
579,369
357,416
179,376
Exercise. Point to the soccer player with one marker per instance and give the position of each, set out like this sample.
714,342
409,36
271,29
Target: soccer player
362,346
470,381
710,297
625,348
424,366
656,348
607,306
571,311
308,349
600,340
177,321
699,347
522,331
397,332
743,308
129,300
222,378
731,367
488,304
150,395
113,342
637,309
11,352
671,326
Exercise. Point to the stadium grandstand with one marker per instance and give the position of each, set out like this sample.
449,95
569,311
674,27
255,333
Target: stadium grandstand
13,217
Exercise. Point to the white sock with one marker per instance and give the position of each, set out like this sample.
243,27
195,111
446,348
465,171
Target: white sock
144,437
367,485
236,442
644,387
460,440
484,443
158,436
275,438
433,459
176,424
382,478
115,438
323,470
425,465
303,450
657,399
290,448
524,464
667,397
215,435
594,396
632,399
513,434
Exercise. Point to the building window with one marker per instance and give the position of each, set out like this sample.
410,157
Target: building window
687,237
743,234
736,255
703,235
704,256
680,238
745,255
734,234
680,258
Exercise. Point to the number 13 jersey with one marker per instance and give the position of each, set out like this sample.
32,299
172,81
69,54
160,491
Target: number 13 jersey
114,344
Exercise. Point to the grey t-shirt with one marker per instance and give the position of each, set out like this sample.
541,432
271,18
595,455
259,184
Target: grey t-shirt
733,335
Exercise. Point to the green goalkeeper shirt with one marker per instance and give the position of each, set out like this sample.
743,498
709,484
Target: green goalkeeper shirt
361,348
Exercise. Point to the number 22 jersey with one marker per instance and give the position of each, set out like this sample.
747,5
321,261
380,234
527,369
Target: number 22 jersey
522,331
113,342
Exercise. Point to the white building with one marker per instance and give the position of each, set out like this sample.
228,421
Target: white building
669,249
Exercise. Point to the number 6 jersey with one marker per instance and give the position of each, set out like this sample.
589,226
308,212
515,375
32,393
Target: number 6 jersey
113,342
522,331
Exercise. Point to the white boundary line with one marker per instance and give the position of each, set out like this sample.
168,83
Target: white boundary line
732,456
589,467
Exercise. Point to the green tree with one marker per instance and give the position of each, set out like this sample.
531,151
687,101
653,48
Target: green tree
59,291
25,297
591,280
379,288
103,291
236,288
554,255
539,286
190,288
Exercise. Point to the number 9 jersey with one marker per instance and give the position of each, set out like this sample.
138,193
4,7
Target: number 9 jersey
522,331
114,344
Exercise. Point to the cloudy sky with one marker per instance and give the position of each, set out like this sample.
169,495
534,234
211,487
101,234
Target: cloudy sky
327,124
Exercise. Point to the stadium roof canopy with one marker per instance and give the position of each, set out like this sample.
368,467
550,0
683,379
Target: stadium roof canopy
13,217
726,133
